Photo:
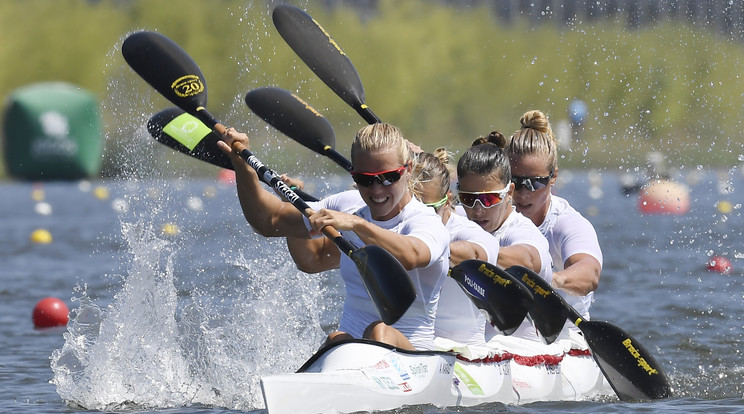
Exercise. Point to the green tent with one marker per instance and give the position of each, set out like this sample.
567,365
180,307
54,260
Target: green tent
52,132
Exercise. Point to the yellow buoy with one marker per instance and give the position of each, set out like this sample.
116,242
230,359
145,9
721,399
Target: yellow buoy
169,229
37,194
101,193
724,207
41,236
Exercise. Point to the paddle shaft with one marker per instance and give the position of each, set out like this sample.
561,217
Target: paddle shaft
268,176
271,178
367,114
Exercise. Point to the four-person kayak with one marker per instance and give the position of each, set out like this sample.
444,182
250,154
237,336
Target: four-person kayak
362,375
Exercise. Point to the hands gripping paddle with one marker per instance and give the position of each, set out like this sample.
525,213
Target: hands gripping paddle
632,371
490,288
184,133
172,72
323,55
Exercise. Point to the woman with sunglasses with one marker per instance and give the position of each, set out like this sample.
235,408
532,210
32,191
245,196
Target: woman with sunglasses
485,191
390,218
457,318
577,257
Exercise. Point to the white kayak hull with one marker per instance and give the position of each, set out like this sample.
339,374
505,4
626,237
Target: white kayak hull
361,375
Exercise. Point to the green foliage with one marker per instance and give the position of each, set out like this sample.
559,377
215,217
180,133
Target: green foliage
445,75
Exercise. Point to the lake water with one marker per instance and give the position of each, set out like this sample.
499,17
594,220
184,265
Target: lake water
188,320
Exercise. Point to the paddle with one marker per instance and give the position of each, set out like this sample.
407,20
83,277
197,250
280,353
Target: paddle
184,133
632,371
172,72
278,107
323,56
504,299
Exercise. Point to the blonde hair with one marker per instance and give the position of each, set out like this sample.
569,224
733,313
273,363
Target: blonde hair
535,137
381,137
435,168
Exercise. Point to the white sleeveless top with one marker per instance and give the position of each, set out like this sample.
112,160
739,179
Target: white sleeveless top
569,233
457,318
518,229
416,220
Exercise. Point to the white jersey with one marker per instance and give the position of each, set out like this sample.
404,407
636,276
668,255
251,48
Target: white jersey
569,233
518,229
416,220
457,318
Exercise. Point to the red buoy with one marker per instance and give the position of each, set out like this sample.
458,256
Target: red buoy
50,312
719,264
226,176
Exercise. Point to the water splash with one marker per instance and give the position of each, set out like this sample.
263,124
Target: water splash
156,345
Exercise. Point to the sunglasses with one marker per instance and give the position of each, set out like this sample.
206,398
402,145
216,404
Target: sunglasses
437,204
487,199
531,183
385,178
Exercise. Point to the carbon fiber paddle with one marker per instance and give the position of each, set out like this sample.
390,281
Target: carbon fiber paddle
172,72
630,369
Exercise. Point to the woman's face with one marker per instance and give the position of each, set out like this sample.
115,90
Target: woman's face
431,193
532,204
384,201
490,219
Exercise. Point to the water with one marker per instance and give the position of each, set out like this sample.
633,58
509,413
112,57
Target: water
188,322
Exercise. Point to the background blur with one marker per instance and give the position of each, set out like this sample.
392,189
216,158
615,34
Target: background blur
654,75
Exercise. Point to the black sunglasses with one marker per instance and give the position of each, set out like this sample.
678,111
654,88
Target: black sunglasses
531,183
383,177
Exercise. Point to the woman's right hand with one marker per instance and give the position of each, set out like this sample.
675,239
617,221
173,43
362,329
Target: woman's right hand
232,142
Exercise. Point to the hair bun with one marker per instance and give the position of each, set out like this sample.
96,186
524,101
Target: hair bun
494,137
536,120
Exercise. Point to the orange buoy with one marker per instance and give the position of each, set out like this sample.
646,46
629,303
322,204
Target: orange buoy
664,197
50,312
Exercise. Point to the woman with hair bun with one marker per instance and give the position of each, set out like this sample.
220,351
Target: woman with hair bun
574,248
485,192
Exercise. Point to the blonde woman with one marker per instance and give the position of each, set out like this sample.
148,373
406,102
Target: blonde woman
574,248
390,218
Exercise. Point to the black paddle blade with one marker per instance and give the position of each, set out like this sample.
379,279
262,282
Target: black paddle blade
505,300
549,311
320,53
184,133
292,116
630,369
167,68
296,119
386,280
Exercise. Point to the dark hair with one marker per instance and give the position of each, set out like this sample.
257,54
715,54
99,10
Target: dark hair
495,137
485,159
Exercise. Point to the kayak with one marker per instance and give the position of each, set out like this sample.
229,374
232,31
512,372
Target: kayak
362,375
